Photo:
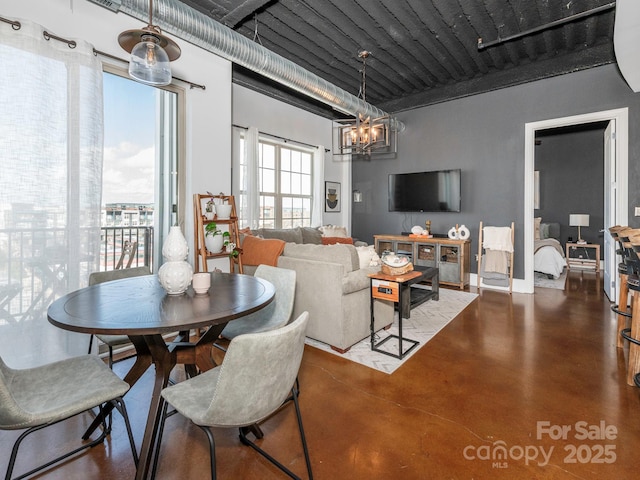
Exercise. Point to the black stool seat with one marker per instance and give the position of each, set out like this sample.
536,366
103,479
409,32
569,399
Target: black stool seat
634,282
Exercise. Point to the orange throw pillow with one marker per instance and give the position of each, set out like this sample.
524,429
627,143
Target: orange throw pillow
261,251
334,240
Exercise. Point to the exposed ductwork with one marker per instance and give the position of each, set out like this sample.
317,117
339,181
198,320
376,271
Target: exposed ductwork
192,26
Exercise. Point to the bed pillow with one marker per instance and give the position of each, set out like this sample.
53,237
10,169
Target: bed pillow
537,228
544,231
554,231
550,230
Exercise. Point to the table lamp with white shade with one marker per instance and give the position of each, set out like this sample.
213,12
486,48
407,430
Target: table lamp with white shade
579,220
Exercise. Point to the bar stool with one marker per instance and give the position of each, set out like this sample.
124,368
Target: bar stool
632,334
623,309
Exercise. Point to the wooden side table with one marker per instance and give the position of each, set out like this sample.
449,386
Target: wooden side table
581,257
397,289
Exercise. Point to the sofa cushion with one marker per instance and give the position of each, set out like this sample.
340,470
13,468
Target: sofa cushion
287,234
334,240
261,251
311,235
368,256
346,255
333,231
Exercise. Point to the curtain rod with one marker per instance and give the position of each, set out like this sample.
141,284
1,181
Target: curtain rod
72,44
284,139
108,55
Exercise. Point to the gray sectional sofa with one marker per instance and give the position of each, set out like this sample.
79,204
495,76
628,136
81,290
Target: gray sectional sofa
331,286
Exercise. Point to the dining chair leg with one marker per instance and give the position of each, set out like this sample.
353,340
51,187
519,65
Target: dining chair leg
212,450
16,445
118,403
246,441
302,435
163,417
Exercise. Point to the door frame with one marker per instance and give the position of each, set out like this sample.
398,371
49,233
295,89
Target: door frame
621,117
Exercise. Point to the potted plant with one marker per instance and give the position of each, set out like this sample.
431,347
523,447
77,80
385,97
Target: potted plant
213,237
223,210
209,209
229,246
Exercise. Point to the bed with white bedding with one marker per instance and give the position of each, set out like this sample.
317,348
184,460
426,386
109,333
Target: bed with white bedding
548,255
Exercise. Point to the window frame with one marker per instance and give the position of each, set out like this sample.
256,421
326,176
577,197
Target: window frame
278,195
173,209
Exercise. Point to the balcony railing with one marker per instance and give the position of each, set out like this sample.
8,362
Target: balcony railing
35,266
113,241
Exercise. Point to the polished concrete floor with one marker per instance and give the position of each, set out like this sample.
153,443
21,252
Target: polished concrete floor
521,386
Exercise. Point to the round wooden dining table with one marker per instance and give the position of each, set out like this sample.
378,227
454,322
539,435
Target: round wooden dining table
141,309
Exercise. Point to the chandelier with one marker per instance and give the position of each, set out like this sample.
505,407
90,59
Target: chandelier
365,135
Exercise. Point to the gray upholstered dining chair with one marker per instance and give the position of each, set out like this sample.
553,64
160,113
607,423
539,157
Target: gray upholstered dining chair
274,315
112,341
255,379
35,398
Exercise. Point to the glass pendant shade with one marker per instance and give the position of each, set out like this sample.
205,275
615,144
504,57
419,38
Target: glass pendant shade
149,62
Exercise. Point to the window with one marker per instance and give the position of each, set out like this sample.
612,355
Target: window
285,180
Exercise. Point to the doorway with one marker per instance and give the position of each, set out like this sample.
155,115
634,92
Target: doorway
615,188
140,175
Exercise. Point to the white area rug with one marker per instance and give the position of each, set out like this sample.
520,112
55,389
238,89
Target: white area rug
541,280
426,320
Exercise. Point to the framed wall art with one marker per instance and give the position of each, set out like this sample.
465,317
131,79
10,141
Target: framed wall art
332,197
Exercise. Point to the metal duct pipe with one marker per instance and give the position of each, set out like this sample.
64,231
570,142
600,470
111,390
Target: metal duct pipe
196,28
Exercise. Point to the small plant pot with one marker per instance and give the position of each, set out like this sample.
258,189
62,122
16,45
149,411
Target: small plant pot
214,243
223,212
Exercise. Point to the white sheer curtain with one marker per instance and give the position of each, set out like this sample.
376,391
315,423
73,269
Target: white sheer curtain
318,187
246,186
51,134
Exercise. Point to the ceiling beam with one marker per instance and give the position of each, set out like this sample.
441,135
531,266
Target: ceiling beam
245,10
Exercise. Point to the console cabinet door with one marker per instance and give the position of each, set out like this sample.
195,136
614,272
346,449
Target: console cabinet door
449,263
426,255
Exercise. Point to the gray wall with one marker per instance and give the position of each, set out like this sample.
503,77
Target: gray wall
484,136
571,166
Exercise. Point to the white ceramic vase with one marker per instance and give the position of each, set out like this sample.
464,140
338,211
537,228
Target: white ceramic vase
175,246
175,273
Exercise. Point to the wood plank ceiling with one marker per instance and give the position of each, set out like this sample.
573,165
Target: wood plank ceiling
422,51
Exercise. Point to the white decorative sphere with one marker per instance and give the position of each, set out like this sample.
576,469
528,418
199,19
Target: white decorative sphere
175,277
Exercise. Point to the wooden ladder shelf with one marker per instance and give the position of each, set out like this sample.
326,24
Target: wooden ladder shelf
200,221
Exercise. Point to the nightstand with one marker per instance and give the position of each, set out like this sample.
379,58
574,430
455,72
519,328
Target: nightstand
579,256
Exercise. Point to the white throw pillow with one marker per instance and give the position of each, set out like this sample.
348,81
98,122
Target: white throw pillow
368,257
333,231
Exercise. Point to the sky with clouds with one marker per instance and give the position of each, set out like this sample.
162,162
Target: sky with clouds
129,139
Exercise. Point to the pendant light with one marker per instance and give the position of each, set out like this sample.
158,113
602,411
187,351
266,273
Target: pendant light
365,135
151,52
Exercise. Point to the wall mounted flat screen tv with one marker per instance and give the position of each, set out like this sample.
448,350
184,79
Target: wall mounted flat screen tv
437,191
